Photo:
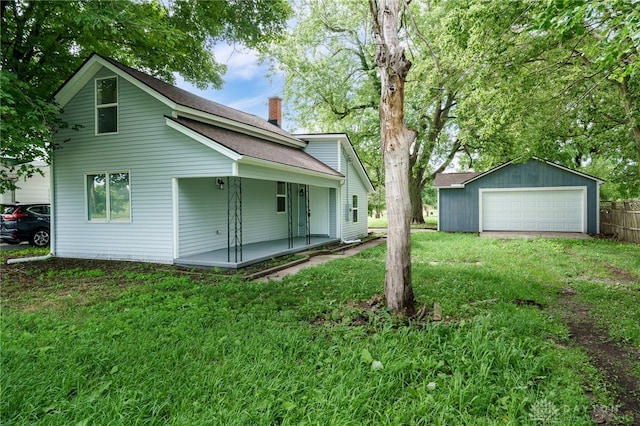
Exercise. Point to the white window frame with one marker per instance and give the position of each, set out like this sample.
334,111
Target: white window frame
107,219
111,105
354,208
283,196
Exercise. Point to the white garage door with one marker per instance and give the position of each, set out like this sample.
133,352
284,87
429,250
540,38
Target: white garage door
533,210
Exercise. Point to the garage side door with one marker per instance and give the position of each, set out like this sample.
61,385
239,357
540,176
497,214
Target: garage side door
559,210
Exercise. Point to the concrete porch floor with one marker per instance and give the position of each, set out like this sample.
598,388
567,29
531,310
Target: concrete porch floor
253,253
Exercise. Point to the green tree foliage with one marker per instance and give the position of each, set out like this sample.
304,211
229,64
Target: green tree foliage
43,42
491,81
333,83
564,86
604,38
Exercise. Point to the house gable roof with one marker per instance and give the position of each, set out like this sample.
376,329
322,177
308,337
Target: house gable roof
250,146
181,101
448,180
346,144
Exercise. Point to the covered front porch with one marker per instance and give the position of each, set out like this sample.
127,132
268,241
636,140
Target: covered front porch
253,253
232,222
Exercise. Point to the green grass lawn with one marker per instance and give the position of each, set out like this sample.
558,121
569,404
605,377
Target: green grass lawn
431,222
154,345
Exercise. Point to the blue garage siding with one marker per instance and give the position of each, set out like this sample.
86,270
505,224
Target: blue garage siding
459,209
455,211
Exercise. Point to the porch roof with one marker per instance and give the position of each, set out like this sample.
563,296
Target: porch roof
251,146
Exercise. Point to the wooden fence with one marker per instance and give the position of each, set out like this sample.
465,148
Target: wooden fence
621,219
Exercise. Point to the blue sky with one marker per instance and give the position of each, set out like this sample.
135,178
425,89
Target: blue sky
246,85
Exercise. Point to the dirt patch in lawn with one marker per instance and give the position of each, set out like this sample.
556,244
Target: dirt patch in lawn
614,360
60,282
622,276
618,277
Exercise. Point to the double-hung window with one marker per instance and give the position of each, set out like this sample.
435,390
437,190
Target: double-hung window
281,197
108,197
106,105
354,208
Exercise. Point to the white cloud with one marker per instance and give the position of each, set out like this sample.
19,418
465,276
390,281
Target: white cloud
257,104
242,63
246,85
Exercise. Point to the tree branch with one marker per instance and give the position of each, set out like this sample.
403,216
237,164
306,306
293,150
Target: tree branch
426,41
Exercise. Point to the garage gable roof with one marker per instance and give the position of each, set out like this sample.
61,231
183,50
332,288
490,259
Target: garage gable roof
445,180
459,180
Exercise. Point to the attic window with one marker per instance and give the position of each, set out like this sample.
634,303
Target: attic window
107,105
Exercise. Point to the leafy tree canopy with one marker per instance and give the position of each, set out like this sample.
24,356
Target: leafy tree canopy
491,81
333,82
565,88
43,42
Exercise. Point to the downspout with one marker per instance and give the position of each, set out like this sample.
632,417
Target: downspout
348,196
348,200
29,259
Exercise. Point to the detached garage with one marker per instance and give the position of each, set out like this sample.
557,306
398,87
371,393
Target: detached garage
536,196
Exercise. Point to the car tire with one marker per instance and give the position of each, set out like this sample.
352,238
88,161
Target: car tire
40,238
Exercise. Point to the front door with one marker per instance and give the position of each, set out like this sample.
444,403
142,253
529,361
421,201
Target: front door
319,208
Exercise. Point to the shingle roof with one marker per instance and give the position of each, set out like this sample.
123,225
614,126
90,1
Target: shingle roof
443,180
255,147
187,99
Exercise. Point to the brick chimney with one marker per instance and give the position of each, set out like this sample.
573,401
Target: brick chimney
275,111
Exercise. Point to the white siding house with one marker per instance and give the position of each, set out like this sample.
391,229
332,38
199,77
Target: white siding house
155,173
336,151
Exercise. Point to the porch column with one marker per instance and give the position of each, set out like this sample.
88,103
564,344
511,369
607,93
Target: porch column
234,218
290,214
307,213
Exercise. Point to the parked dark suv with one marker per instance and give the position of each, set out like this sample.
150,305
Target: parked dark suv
25,222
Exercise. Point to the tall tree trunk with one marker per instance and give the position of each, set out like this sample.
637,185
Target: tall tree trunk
415,195
396,139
